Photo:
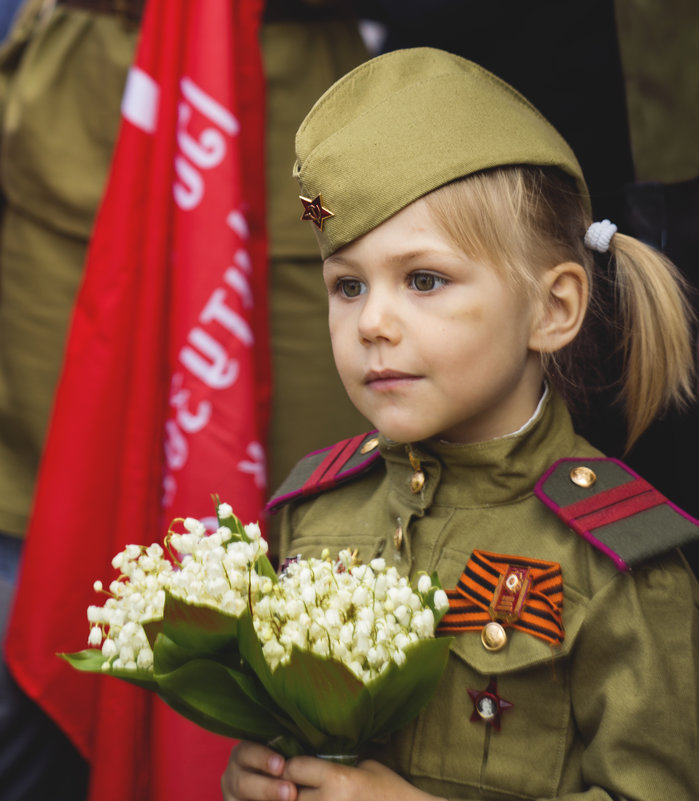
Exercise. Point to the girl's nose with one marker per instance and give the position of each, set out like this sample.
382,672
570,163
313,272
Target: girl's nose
379,318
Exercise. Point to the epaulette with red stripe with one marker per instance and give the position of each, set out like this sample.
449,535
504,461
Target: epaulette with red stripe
327,468
615,510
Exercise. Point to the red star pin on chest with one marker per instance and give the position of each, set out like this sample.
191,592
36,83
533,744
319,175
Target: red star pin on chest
488,706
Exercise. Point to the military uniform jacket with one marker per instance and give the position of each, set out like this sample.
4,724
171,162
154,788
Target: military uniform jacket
611,713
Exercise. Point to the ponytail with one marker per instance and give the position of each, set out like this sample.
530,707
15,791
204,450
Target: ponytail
656,322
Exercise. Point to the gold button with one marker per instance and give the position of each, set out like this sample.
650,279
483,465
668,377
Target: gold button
398,537
583,476
417,482
493,636
369,445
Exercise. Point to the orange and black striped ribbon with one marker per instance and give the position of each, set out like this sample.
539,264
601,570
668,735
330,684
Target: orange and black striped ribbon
470,601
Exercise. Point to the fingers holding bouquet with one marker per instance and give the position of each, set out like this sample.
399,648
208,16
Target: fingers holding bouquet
254,773
322,780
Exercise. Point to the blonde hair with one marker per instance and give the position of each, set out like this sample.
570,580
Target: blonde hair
523,220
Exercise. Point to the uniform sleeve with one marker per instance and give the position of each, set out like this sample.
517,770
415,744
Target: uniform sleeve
634,687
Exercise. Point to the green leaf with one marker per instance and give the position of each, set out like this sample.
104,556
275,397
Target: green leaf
199,628
169,656
263,567
251,651
207,693
400,693
91,661
173,670
152,628
195,716
288,747
329,695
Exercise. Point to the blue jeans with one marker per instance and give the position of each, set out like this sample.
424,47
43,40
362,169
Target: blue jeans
10,555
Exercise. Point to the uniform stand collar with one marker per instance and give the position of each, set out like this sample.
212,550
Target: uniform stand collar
484,473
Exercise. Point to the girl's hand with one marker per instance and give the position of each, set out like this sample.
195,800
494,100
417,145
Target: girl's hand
254,773
320,780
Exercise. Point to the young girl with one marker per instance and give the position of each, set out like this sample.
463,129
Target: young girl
459,260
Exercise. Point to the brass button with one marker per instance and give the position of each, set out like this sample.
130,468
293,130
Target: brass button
369,445
583,476
493,636
417,481
398,537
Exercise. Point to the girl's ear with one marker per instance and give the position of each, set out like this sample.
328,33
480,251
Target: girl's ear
564,302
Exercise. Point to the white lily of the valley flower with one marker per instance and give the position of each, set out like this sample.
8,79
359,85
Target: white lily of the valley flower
195,526
109,649
95,637
441,601
224,511
363,615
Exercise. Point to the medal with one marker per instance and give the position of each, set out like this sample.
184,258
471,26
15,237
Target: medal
496,592
488,706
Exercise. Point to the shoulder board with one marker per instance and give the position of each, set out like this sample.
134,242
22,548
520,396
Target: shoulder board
615,510
327,468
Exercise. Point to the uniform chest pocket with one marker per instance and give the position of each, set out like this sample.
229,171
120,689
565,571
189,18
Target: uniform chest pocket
310,546
525,758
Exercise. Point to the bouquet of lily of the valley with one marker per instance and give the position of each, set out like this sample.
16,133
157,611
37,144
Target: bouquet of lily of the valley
318,660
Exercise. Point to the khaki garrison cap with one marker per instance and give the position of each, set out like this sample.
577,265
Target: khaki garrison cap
405,123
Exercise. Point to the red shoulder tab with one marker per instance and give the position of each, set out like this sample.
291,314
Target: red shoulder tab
325,469
614,509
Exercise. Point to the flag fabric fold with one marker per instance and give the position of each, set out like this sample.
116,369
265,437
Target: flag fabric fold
165,387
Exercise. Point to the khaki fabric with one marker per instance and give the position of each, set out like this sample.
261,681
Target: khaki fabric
61,80
612,714
659,45
310,408
408,122
61,114
41,270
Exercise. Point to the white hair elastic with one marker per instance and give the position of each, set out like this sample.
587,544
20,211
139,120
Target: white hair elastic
599,235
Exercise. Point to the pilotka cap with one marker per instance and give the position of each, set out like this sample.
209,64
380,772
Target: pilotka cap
405,123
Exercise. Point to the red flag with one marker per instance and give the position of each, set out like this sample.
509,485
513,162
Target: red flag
163,397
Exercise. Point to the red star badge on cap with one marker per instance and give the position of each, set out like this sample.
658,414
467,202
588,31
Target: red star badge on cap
314,210
488,706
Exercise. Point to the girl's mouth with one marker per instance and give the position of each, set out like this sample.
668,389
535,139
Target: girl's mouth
386,379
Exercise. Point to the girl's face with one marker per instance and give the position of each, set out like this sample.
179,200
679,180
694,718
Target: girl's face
427,342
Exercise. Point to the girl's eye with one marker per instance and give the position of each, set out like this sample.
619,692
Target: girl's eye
351,287
426,282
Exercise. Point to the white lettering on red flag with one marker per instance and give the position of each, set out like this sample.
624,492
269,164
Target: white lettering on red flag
139,104
214,376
